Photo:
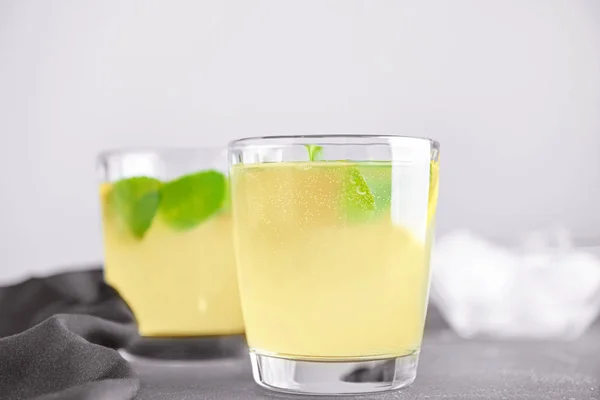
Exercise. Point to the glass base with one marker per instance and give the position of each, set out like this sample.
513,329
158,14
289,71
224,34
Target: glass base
178,349
333,377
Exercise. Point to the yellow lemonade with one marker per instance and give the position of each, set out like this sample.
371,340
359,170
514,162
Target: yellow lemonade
178,280
325,270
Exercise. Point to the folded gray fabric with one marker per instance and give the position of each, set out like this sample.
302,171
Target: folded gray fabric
65,356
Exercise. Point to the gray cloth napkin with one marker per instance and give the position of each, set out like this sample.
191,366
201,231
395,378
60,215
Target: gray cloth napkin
58,337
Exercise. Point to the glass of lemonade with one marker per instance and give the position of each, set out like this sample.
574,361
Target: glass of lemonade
168,248
332,236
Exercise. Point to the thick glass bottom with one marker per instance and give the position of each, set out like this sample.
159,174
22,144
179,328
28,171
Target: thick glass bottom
333,377
168,349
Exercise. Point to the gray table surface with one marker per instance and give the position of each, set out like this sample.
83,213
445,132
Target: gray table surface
449,369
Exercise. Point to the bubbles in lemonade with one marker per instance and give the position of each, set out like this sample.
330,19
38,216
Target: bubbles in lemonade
326,268
169,253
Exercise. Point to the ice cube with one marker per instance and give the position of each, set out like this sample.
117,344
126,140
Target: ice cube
550,290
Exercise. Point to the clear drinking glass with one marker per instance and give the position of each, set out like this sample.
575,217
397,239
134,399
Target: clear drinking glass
169,251
332,237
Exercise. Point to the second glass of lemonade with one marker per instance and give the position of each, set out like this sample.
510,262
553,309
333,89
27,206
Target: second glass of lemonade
333,235
169,251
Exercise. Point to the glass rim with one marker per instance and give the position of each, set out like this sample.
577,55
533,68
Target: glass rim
360,138
155,150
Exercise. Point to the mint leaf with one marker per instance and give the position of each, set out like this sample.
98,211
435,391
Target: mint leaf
358,201
314,152
134,201
191,199
379,179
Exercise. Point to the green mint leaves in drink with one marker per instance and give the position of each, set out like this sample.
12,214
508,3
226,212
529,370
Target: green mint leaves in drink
182,203
191,199
135,201
379,180
358,202
314,152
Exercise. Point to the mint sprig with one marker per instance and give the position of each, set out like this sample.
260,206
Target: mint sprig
379,181
192,199
182,203
358,202
134,202
314,152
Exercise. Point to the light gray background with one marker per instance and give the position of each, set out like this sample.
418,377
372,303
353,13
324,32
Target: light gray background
510,88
